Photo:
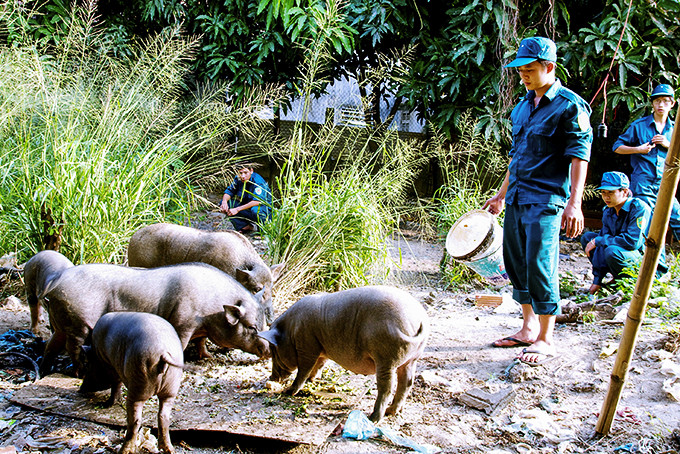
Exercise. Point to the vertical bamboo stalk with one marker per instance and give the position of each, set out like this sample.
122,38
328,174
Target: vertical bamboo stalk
638,305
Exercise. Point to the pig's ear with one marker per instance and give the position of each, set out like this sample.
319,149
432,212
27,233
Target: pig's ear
233,314
272,336
259,296
277,271
245,277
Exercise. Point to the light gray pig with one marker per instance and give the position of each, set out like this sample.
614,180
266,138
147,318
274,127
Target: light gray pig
367,330
143,352
168,244
197,299
38,273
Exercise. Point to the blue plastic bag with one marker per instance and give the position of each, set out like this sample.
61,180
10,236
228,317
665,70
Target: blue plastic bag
359,426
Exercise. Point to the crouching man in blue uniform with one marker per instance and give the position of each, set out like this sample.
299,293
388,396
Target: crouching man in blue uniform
543,190
621,242
247,200
646,141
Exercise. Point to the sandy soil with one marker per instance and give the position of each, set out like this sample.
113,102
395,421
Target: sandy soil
551,408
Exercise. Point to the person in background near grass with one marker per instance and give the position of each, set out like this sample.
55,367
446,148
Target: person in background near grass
247,200
646,141
621,242
551,140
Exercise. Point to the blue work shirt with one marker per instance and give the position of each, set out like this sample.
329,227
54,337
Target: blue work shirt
628,229
544,140
647,168
256,188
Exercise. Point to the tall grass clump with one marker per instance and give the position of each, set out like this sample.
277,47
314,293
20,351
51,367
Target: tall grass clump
339,194
93,147
336,211
473,168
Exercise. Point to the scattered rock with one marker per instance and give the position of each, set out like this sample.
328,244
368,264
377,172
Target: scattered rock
12,303
584,387
489,403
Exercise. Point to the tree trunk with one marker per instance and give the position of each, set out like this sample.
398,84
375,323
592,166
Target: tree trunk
52,230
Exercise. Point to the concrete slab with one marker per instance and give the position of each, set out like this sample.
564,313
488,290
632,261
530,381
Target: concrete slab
224,399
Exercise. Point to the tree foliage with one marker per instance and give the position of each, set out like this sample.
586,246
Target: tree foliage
439,58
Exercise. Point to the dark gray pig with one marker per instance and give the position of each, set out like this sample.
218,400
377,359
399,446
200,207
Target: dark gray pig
39,271
367,330
168,244
143,352
197,299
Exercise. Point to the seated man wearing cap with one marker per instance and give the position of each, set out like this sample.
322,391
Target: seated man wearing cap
647,141
247,200
621,242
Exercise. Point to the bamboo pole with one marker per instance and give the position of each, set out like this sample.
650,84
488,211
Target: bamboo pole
643,287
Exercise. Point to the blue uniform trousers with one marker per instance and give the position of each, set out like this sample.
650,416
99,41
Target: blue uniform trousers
612,259
674,221
531,240
254,215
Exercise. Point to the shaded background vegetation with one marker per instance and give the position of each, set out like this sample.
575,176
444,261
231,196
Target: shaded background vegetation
123,113
440,58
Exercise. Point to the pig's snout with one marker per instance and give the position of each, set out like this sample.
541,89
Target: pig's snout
262,349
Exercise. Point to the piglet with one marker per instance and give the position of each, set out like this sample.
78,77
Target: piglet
368,330
143,352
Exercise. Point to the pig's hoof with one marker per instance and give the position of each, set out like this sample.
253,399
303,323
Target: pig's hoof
375,419
391,411
291,391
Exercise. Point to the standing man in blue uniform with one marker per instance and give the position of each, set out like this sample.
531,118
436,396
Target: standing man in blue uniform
646,141
247,200
621,242
543,190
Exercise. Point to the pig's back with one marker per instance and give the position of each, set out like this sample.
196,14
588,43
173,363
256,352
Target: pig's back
377,323
167,244
133,343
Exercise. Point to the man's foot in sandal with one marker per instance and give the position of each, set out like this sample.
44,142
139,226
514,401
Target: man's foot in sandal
508,342
537,356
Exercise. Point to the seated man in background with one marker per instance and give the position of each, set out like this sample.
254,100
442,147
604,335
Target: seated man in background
247,200
625,220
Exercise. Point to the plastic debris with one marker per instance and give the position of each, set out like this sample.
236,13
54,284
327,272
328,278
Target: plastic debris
22,341
628,447
5,423
539,422
628,415
146,441
358,426
609,349
19,351
399,440
508,306
431,378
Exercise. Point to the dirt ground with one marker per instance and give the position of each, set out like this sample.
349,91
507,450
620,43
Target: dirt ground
551,408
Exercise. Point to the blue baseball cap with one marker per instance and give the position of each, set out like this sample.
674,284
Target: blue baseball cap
614,180
663,90
532,49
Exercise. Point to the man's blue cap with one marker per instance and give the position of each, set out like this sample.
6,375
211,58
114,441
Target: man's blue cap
532,49
663,90
614,180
